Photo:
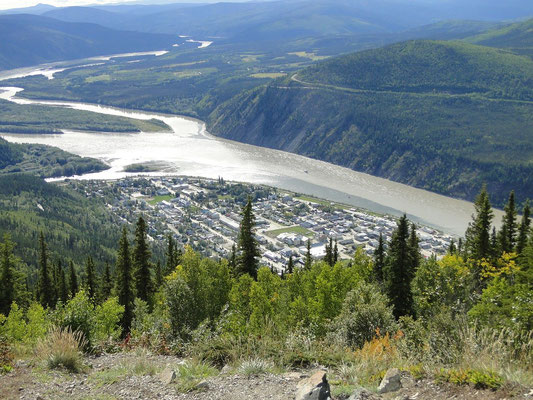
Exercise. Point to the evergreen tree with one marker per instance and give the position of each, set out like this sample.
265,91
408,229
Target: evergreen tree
328,258
335,253
460,247
308,258
141,263
478,232
379,259
399,270
90,278
62,290
523,230
7,278
45,286
247,262
452,249
56,271
73,279
507,234
233,258
414,249
158,275
495,248
106,284
171,255
124,284
290,266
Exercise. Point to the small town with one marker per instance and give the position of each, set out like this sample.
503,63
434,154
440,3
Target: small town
205,214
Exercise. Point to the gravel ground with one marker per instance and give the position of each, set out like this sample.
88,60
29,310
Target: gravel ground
135,376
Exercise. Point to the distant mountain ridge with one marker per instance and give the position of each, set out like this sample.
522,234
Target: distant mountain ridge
31,39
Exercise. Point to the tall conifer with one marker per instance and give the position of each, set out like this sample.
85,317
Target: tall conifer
399,270
73,279
308,258
523,230
507,234
247,262
7,278
45,286
478,233
379,259
106,283
90,278
124,284
141,262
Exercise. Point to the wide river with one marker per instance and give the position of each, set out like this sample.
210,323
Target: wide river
191,151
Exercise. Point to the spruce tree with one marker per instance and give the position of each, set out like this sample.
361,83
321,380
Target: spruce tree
247,262
141,263
452,248
171,255
507,234
379,259
290,266
335,254
233,258
328,258
106,283
62,290
523,230
124,284
90,278
45,285
308,258
73,279
158,280
399,270
414,248
7,278
478,232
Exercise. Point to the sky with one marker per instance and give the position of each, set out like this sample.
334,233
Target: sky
7,4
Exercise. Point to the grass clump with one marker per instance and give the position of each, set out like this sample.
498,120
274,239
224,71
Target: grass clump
62,349
255,367
191,373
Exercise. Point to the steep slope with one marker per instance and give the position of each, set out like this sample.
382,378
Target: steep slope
516,37
438,115
32,39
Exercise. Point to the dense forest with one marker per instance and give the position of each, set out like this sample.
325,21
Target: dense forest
427,316
44,161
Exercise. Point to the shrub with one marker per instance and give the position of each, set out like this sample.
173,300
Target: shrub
479,378
62,348
15,325
77,316
6,356
106,320
364,312
37,325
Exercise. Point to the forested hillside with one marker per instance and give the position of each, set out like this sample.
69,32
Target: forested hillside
31,39
72,225
517,38
442,116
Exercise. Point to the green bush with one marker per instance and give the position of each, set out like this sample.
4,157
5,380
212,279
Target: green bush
77,315
479,378
106,325
365,313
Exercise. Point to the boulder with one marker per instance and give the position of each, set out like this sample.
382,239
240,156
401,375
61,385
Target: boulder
315,387
362,394
391,381
167,376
